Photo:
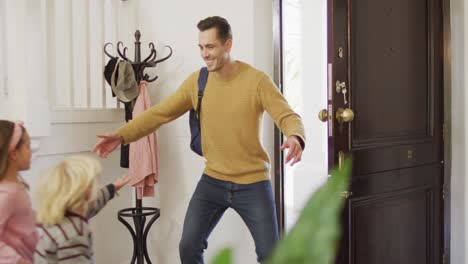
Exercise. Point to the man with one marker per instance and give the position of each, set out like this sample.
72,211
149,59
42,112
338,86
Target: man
237,167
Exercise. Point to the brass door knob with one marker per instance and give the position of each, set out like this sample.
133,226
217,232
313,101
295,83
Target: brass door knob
344,115
323,115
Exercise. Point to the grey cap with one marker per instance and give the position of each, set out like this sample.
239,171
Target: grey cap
123,82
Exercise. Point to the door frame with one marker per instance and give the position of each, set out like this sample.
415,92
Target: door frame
278,136
447,101
447,92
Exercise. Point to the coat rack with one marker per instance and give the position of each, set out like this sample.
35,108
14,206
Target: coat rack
139,214
138,65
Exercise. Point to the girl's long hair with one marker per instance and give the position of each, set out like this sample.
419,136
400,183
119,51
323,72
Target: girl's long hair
6,132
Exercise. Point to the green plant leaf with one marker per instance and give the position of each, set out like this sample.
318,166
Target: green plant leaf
315,236
223,257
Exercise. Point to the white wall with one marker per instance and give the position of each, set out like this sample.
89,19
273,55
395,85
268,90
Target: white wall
459,132
2,49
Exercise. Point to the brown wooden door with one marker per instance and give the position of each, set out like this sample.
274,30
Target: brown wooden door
387,54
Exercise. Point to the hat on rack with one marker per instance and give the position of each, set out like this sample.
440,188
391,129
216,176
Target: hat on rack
123,82
109,69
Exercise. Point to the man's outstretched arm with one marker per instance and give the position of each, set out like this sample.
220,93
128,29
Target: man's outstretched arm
169,109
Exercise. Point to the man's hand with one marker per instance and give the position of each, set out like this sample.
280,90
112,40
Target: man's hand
121,182
295,150
107,144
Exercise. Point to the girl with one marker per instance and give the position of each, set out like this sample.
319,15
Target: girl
18,235
68,196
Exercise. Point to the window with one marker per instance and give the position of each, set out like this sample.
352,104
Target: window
76,34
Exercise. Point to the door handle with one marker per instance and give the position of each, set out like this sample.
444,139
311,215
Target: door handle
344,115
323,115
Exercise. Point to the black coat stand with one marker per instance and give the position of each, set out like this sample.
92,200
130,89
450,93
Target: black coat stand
140,229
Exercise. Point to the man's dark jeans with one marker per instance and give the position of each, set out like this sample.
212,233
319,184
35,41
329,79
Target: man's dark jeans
253,202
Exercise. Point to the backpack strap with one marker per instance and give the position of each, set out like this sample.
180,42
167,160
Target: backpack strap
202,79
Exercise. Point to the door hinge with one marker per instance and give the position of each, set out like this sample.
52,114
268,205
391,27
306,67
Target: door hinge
444,133
443,192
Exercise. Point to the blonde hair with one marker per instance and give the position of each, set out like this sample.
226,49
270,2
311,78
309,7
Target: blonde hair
65,186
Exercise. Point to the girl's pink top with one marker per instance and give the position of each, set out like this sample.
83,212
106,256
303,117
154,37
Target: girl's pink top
18,236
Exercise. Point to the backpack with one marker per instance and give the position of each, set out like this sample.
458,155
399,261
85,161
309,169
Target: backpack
194,117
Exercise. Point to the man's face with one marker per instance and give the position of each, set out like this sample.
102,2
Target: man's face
213,50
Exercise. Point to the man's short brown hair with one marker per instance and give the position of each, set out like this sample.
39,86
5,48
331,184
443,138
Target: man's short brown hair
222,26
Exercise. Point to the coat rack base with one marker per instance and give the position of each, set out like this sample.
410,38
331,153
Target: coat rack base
140,229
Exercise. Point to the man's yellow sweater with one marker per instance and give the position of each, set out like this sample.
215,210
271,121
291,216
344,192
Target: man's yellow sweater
231,114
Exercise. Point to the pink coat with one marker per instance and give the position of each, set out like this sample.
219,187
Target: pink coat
18,236
143,167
